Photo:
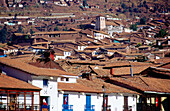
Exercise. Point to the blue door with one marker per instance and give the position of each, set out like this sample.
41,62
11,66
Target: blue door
45,102
88,103
65,101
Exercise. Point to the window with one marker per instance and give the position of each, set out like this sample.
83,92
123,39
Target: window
62,78
45,82
67,79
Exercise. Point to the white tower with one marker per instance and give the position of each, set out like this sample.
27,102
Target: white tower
100,23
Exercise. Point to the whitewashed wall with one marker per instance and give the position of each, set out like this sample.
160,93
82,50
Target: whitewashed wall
50,91
97,100
72,79
100,36
116,101
59,57
132,102
78,100
81,47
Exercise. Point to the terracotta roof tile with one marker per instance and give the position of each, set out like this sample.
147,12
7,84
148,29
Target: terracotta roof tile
38,47
161,71
145,83
32,69
127,70
12,83
76,87
3,49
127,64
163,60
110,88
56,32
100,72
111,23
41,43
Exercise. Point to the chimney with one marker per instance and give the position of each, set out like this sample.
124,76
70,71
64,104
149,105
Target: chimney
111,71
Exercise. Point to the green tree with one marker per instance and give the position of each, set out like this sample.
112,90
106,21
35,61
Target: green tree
144,3
56,28
31,31
65,29
162,33
138,44
15,16
142,21
130,9
3,34
124,6
132,5
85,3
133,27
26,37
20,30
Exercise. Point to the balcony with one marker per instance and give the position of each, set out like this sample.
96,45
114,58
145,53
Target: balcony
67,107
107,108
89,108
45,107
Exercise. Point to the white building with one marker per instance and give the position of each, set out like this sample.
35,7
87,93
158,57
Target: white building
44,78
114,26
82,47
99,35
62,53
89,97
64,92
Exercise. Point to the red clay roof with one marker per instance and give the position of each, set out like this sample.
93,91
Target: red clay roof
110,88
145,83
162,71
46,64
12,83
127,70
76,87
56,32
101,72
32,69
126,63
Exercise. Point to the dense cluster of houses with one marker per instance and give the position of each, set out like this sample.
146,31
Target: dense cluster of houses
91,74
94,64
80,85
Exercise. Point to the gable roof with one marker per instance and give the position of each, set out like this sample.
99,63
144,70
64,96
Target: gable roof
32,69
8,82
144,84
100,72
110,88
123,71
